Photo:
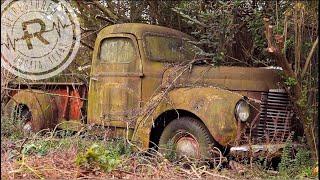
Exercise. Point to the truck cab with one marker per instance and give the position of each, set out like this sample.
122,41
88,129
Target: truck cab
128,64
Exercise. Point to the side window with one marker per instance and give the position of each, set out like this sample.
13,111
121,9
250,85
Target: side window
117,50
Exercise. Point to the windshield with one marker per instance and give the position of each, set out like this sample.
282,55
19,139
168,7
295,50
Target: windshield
170,49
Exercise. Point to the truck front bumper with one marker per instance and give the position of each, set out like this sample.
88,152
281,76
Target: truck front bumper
269,150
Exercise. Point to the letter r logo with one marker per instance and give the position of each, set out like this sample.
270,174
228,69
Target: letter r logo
27,36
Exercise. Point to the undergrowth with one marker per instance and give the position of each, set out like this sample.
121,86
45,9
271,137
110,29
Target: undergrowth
295,164
12,126
104,157
170,154
92,154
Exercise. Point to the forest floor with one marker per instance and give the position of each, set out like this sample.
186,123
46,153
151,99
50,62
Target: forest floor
66,156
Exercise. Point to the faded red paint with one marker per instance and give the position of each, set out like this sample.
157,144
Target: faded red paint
75,106
69,108
62,102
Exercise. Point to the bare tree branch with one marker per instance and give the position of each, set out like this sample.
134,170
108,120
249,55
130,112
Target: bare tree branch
106,19
109,12
86,45
309,58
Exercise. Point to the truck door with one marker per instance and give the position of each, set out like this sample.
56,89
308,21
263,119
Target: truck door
115,81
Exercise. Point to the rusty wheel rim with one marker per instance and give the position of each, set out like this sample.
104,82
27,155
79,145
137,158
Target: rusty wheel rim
27,127
25,117
187,145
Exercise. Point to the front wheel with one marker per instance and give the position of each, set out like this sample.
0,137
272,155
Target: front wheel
189,137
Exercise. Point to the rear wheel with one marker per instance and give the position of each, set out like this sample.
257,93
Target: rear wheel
189,137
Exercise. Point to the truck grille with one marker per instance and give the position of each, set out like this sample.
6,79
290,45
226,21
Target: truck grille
275,120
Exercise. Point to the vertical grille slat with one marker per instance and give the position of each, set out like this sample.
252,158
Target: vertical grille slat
276,118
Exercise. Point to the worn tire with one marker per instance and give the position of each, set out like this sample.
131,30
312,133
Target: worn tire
197,130
43,108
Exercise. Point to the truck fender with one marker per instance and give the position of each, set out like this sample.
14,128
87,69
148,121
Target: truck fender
43,108
213,106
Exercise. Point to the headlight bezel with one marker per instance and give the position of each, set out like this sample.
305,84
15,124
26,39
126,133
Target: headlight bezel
242,105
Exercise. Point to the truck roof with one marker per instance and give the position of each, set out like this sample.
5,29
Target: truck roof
138,29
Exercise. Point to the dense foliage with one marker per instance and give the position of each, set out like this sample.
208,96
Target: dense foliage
231,32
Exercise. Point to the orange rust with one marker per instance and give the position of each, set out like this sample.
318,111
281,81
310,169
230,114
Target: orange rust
75,106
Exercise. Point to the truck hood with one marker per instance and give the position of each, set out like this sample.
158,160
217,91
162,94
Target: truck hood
232,78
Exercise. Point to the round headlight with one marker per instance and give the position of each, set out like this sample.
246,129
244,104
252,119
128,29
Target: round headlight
242,111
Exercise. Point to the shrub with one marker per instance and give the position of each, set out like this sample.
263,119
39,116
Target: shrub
299,166
104,157
12,126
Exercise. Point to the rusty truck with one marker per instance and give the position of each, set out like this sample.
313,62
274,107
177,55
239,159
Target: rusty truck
146,84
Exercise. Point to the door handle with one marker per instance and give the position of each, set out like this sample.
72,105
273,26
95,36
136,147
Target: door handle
94,79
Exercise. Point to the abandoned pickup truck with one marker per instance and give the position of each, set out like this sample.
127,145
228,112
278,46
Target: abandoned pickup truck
147,84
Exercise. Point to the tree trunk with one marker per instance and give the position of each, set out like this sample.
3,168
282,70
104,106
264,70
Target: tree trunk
275,47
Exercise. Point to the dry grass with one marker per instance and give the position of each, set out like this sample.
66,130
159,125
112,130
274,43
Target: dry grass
59,163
